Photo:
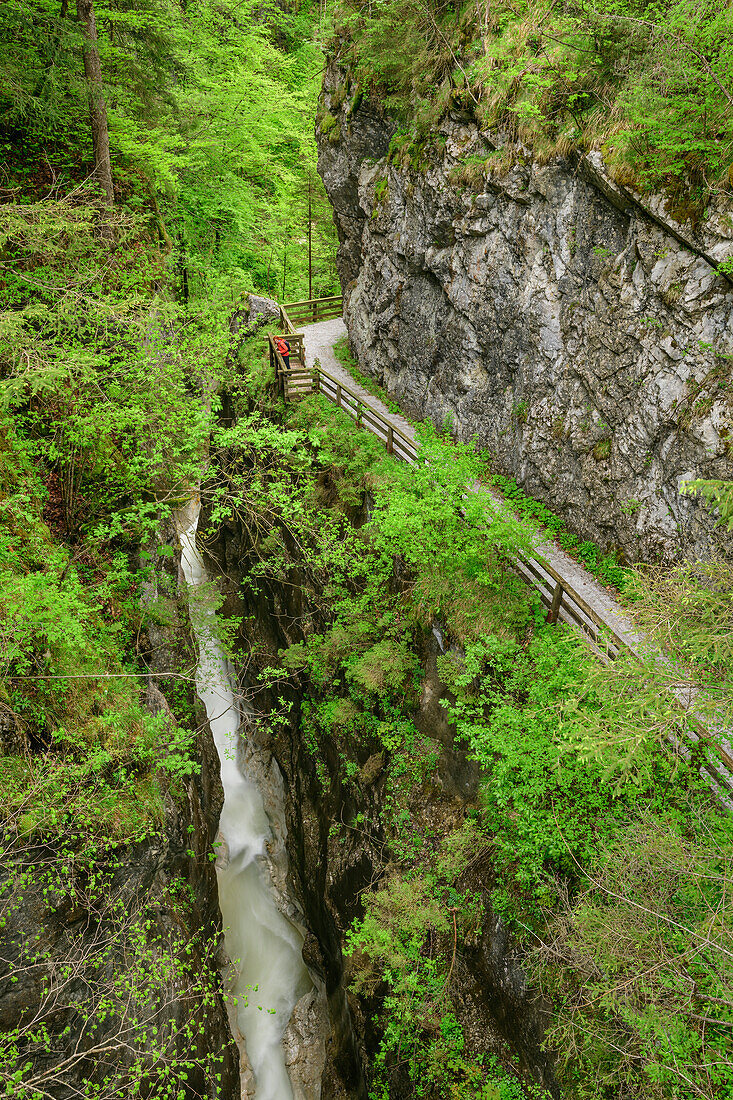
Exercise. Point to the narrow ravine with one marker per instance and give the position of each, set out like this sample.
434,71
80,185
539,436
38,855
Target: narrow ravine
263,946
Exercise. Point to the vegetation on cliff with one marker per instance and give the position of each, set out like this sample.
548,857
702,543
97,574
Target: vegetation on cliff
158,164
649,84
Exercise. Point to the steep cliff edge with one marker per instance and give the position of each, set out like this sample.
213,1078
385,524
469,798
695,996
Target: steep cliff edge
541,310
364,788
338,847
456,778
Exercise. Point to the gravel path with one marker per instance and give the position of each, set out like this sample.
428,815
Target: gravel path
319,341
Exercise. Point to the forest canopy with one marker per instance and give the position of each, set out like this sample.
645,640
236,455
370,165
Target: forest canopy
209,112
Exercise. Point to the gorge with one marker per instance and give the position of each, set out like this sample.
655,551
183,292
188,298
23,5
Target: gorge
262,944
304,793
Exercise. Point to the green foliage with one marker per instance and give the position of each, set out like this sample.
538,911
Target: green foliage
98,368
420,1027
718,494
85,772
210,118
645,950
68,685
524,714
114,343
520,412
433,519
384,668
126,1000
650,84
686,611
572,756
250,170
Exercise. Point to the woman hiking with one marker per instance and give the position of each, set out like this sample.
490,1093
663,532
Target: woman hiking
283,347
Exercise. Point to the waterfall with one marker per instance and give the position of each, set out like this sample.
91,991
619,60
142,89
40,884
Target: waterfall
265,948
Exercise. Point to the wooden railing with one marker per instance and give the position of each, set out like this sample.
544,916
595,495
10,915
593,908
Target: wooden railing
561,599
287,325
363,415
293,378
565,604
297,380
313,310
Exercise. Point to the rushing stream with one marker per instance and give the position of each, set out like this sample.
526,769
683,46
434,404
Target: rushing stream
263,945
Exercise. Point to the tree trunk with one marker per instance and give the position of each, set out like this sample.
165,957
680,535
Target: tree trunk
310,246
285,265
183,267
97,106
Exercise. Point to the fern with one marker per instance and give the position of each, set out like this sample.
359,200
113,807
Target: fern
717,494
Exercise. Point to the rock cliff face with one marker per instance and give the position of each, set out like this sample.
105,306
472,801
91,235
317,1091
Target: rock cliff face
544,311
319,893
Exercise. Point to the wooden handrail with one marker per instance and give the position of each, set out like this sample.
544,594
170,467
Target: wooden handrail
312,310
557,590
313,302
287,323
321,373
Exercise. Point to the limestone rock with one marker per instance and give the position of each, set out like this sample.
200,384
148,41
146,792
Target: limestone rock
548,316
261,310
305,1045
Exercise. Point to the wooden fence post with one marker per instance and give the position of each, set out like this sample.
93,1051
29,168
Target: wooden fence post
358,413
338,395
390,440
557,596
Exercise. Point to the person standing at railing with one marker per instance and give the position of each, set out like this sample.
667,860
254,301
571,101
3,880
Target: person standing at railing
283,347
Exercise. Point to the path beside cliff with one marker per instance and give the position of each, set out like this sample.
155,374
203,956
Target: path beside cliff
319,344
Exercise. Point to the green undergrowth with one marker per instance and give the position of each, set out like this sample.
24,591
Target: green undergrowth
687,611
85,749
102,431
123,302
99,438
572,771
87,775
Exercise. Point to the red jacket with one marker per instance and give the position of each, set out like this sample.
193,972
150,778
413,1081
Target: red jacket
282,346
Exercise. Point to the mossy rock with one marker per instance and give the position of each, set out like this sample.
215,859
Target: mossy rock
602,450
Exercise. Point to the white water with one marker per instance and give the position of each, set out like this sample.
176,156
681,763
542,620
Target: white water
263,945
